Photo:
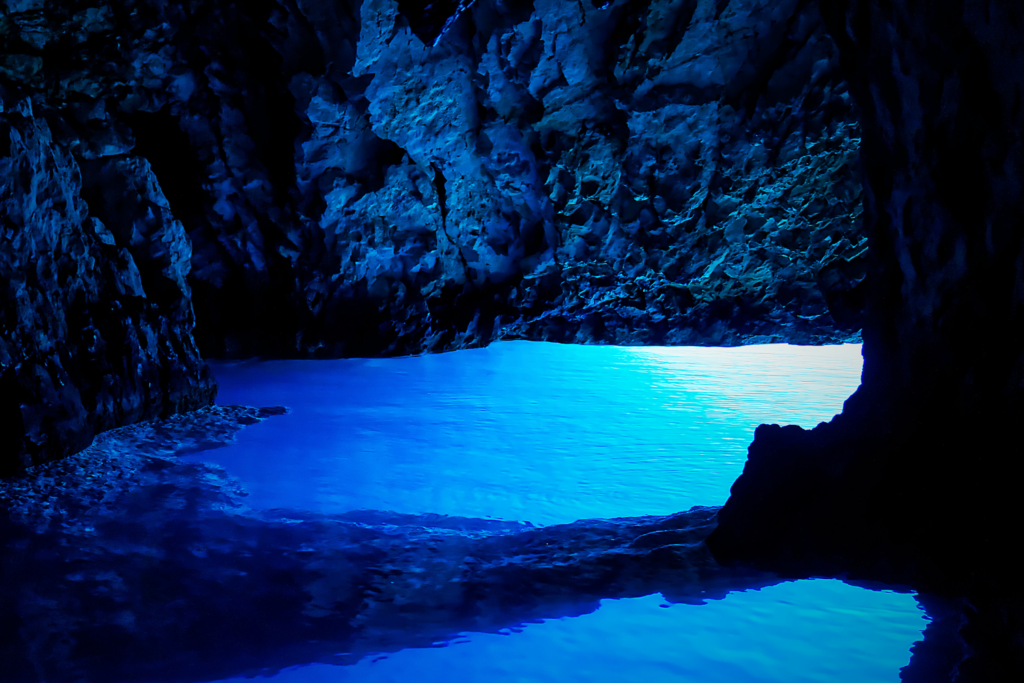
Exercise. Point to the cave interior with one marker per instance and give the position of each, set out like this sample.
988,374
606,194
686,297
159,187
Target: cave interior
217,180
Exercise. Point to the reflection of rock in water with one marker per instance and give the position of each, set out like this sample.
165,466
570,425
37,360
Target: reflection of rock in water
133,565
129,564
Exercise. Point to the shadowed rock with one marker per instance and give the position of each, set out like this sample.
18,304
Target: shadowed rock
918,479
95,318
132,564
921,452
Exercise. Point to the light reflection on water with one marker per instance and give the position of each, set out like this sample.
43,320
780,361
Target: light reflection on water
549,434
799,632
536,432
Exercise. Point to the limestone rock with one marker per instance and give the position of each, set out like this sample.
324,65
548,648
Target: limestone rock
379,179
83,348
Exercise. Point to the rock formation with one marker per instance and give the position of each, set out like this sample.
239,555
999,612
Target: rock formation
918,478
90,337
332,179
380,179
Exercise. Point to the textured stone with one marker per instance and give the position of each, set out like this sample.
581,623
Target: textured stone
339,179
917,480
374,180
83,348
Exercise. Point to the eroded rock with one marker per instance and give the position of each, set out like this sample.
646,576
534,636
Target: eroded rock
84,347
367,179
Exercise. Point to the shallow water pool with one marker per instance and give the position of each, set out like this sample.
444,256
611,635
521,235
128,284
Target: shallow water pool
549,434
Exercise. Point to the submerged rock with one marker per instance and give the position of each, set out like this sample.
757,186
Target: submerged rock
99,477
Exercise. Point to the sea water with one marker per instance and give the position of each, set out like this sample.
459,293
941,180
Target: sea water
549,434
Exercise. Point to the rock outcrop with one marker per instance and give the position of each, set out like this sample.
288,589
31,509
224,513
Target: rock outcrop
95,319
918,478
336,179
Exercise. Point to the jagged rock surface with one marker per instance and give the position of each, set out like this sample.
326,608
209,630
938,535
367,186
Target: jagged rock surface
82,347
356,181
918,478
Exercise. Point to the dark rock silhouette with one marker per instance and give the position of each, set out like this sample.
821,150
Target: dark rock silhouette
927,436
925,453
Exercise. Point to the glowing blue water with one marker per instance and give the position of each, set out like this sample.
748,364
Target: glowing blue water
544,433
549,434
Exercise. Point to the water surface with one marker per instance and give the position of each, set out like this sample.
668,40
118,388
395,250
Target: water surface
523,431
814,631
550,434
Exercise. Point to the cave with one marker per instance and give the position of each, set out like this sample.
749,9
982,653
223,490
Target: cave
193,193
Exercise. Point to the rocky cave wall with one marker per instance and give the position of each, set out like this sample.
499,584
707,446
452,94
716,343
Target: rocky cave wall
354,182
335,179
82,347
918,479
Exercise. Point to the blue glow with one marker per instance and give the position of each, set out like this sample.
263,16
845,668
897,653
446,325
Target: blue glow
799,632
549,434
536,432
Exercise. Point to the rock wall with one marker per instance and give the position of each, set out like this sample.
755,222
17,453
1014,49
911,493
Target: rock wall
335,179
918,478
386,179
83,347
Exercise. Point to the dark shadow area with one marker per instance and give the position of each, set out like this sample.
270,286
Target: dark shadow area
161,141
429,20
157,571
